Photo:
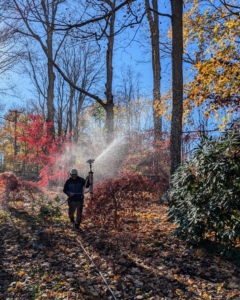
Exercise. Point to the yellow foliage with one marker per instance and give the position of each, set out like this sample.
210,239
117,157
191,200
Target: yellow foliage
216,67
230,24
206,296
82,289
21,273
220,287
18,286
163,107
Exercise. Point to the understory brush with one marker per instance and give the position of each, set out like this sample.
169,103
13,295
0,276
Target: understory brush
115,197
14,192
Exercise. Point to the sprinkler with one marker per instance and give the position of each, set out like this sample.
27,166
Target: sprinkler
90,162
90,175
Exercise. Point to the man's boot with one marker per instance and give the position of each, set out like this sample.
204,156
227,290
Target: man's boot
72,219
77,226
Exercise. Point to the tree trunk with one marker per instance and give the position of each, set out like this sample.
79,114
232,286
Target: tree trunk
50,97
51,75
153,20
110,122
72,92
109,65
177,84
79,107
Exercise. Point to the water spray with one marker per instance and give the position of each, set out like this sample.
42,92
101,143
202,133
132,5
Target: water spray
90,175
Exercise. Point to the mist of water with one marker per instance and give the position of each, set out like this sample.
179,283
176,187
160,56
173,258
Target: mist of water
92,146
108,162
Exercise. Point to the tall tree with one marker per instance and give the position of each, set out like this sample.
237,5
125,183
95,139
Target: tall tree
129,98
153,19
9,54
42,13
100,25
109,70
83,65
177,84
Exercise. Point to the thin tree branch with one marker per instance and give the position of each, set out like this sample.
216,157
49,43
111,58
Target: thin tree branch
99,100
34,76
93,20
160,14
230,5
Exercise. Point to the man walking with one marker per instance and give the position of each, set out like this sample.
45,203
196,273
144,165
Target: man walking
74,189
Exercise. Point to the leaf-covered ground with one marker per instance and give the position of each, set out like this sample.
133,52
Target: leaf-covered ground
44,258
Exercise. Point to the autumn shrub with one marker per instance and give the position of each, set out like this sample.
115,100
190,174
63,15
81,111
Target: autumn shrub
13,189
31,186
9,186
115,197
148,158
205,193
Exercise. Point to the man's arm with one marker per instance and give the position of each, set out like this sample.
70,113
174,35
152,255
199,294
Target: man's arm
66,189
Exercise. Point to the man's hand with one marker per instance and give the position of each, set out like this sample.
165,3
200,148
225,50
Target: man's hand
71,194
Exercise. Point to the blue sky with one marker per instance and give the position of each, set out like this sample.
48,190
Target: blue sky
131,49
136,53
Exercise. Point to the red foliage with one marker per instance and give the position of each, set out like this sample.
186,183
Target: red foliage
113,198
35,134
41,148
13,189
31,186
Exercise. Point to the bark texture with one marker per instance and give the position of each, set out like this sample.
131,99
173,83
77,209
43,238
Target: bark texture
109,66
153,20
49,19
177,84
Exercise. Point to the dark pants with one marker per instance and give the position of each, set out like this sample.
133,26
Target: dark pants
73,206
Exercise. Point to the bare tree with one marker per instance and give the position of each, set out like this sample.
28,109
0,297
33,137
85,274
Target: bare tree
177,84
9,53
35,19
82,64
99,25
177,79
109,70
127,93
36,70
153,19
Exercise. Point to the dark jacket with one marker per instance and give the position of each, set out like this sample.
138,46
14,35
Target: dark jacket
75,186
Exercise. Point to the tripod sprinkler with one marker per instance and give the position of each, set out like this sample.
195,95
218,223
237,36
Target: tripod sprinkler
90,175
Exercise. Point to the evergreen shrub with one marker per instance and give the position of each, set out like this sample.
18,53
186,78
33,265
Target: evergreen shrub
205,193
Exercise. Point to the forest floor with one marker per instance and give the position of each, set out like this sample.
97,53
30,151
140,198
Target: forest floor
44,258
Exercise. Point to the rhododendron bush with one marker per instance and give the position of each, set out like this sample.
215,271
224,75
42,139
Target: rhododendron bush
114,197
41,149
